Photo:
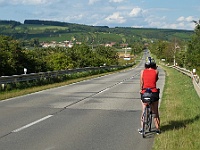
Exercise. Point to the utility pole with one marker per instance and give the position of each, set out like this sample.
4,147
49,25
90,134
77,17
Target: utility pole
175,53
175,46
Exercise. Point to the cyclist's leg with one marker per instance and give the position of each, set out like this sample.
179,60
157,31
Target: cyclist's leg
140,130
155,110
143,108
156,114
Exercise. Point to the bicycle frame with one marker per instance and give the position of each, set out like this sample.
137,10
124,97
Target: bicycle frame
146,119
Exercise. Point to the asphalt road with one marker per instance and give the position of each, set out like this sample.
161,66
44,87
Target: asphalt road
97,114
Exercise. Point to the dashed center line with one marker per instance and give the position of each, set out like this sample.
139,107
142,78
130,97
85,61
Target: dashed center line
103,90
31,124
42,119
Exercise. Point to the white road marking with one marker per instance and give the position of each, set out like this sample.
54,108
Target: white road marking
103,90
30,124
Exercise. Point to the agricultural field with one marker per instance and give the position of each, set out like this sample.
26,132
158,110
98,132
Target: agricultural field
39,28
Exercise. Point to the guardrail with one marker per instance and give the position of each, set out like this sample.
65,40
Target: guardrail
195,77
50,74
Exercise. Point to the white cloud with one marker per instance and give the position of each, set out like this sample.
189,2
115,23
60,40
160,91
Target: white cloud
123,8
185,22
173,25
91,2
75,17
25,2
181,18
162,22
116,1
187,19
137,26
115,18
31,2
136,12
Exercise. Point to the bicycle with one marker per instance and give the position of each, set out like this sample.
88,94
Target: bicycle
147,114
147,119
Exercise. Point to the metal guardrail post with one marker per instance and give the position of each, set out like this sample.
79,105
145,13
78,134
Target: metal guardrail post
34,76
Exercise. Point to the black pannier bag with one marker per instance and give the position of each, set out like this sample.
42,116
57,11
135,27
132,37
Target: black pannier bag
147,96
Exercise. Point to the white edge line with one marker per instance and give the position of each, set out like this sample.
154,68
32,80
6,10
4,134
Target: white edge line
30,124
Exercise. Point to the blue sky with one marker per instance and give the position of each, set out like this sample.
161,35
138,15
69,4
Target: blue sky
171,14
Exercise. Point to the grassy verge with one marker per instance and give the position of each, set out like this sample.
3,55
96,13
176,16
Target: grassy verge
180,114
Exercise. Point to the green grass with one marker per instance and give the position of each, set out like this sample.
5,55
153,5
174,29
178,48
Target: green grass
179,113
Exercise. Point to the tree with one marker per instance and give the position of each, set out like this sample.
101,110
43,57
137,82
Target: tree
193,51
59,61
160,49
106,55
12,56
136,48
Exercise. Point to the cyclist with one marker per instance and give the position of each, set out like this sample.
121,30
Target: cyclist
148,79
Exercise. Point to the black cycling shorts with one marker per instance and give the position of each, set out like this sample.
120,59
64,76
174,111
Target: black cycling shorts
155,96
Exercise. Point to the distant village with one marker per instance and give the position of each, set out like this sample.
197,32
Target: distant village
58,44
70,44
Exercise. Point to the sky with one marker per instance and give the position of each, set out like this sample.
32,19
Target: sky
167,14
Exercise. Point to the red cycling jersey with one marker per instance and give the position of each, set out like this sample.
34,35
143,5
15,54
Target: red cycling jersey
149,78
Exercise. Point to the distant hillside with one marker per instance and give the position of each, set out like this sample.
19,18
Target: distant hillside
61,31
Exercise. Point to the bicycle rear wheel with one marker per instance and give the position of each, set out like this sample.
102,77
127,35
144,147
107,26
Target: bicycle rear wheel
150,121
145,120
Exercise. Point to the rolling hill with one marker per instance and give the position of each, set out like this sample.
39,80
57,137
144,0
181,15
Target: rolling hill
60,31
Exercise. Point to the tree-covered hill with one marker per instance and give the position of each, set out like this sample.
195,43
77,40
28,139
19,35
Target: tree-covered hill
60,31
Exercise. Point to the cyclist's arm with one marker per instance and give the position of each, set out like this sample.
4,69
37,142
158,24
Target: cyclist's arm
141,80
157,72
